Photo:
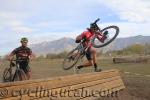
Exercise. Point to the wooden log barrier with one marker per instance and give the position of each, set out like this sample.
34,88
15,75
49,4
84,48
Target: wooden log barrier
71,87
130,60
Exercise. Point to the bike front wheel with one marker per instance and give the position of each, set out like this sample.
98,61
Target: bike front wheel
71,59
108,35
7,77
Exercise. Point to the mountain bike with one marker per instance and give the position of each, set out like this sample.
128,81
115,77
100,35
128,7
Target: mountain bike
97,41
9,75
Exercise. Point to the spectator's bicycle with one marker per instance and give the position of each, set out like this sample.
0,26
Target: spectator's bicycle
18,75
73,56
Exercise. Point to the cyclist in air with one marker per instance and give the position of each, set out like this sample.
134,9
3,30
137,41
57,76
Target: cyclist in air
24,54
91,52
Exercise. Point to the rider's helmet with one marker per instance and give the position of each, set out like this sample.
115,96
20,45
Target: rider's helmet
93,26
24,39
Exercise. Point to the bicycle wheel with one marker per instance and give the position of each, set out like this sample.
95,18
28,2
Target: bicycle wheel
71,59
16,76
22,75
112,33
7,77
19,75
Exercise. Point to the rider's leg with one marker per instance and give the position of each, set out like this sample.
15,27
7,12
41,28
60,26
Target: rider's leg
93,55
87,64
94,59
22,66
28,75
27,70
89,58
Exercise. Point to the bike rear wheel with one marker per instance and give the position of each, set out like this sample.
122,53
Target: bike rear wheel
7,76
19,75
113,32
71,59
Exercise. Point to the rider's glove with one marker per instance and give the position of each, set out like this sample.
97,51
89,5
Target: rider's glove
78,41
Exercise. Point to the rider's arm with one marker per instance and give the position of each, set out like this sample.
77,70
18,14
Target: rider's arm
30,58
80,37
99,35
30,55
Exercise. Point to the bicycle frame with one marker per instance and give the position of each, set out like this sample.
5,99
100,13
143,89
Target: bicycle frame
17,69
17,65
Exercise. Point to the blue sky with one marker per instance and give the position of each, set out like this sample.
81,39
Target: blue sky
47,20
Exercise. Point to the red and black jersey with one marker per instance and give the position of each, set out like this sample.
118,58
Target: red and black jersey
22,52
87,35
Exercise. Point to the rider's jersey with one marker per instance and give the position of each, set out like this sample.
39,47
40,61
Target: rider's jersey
87,35
22,53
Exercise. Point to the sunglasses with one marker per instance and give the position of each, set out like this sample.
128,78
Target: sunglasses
24,42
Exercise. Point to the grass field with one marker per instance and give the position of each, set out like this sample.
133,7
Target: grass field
136,76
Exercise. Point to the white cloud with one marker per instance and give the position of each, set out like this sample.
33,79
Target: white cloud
14,22
134,16
22,29
131,10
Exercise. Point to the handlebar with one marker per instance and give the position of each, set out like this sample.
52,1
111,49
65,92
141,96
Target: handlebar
96,21
95,24
17,60
12,64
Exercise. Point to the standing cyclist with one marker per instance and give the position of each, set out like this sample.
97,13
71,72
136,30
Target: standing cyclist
24,54
91,52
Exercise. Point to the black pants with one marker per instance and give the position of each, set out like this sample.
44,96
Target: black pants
89,54
24,66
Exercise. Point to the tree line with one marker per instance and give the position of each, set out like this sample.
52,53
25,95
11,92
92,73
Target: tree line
137,49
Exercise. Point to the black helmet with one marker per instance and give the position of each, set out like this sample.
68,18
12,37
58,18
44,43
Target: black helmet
93,26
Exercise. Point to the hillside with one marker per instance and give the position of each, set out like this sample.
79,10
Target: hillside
66,44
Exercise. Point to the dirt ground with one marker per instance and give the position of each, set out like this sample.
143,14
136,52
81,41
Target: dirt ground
137,85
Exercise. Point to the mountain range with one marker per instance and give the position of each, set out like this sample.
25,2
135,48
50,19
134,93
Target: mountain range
67,44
